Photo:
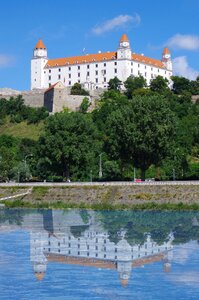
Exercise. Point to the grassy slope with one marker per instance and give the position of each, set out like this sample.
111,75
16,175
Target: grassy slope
22,130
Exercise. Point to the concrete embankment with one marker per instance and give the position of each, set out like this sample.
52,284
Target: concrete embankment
116,194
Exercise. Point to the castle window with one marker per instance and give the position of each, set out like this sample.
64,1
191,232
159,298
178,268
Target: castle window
158,70
96,80
59,250
78,74
87,253
49,77
96,65
69,75
78,253
69,245
115,257
78,81
59,76
49,243
115,63
151,69
78,246
88,247
35,79
145,74
49,71
115,250
96,255
104,64
69,252
69,68
138,65
88,66
96,240
104,79
88,73
49,85
78,67
96,72
59,70
96,247
104,255
69,83
131,71
104,72
131,63
115,70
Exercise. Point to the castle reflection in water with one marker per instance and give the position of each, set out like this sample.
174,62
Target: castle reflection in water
53,239
67,237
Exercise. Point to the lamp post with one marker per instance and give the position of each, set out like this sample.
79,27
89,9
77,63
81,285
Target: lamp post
100,165
91,176
28,155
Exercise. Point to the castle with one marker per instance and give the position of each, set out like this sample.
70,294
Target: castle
93,71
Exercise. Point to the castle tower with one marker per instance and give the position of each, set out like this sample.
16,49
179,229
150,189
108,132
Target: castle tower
38,63
124,50
166,58
38,241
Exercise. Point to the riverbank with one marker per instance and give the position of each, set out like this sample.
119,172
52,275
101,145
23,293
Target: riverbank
117,195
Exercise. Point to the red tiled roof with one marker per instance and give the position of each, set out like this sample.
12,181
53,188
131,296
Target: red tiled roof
147,60
124,38
40,45
166,51
81,59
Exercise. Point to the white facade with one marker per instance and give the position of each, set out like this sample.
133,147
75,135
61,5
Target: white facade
94,71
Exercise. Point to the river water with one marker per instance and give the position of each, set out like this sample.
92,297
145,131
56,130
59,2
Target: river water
83,254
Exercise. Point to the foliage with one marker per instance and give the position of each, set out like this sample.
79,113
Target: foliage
70,142
114,84
181,84
84,105
138,132
159,85
77,89
134,83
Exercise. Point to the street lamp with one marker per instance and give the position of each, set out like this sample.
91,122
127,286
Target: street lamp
100,165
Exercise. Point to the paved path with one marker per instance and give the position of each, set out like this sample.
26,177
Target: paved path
114,183
17,195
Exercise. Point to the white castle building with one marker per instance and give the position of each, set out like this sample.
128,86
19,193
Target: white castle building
94,71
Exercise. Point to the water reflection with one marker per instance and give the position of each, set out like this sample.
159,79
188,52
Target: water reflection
119,241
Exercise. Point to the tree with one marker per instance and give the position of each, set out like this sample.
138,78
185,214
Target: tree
84,105
140,132
134,83
159,85
181,84
114,84
70,144
77,89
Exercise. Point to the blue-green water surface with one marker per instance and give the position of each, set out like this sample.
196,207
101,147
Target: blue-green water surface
82,254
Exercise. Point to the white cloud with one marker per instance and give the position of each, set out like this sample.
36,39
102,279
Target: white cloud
186,42
6,60
182,68
117,22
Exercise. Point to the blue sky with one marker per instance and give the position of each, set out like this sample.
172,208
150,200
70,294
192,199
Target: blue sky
66,27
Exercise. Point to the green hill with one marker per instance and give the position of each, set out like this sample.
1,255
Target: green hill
22,129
